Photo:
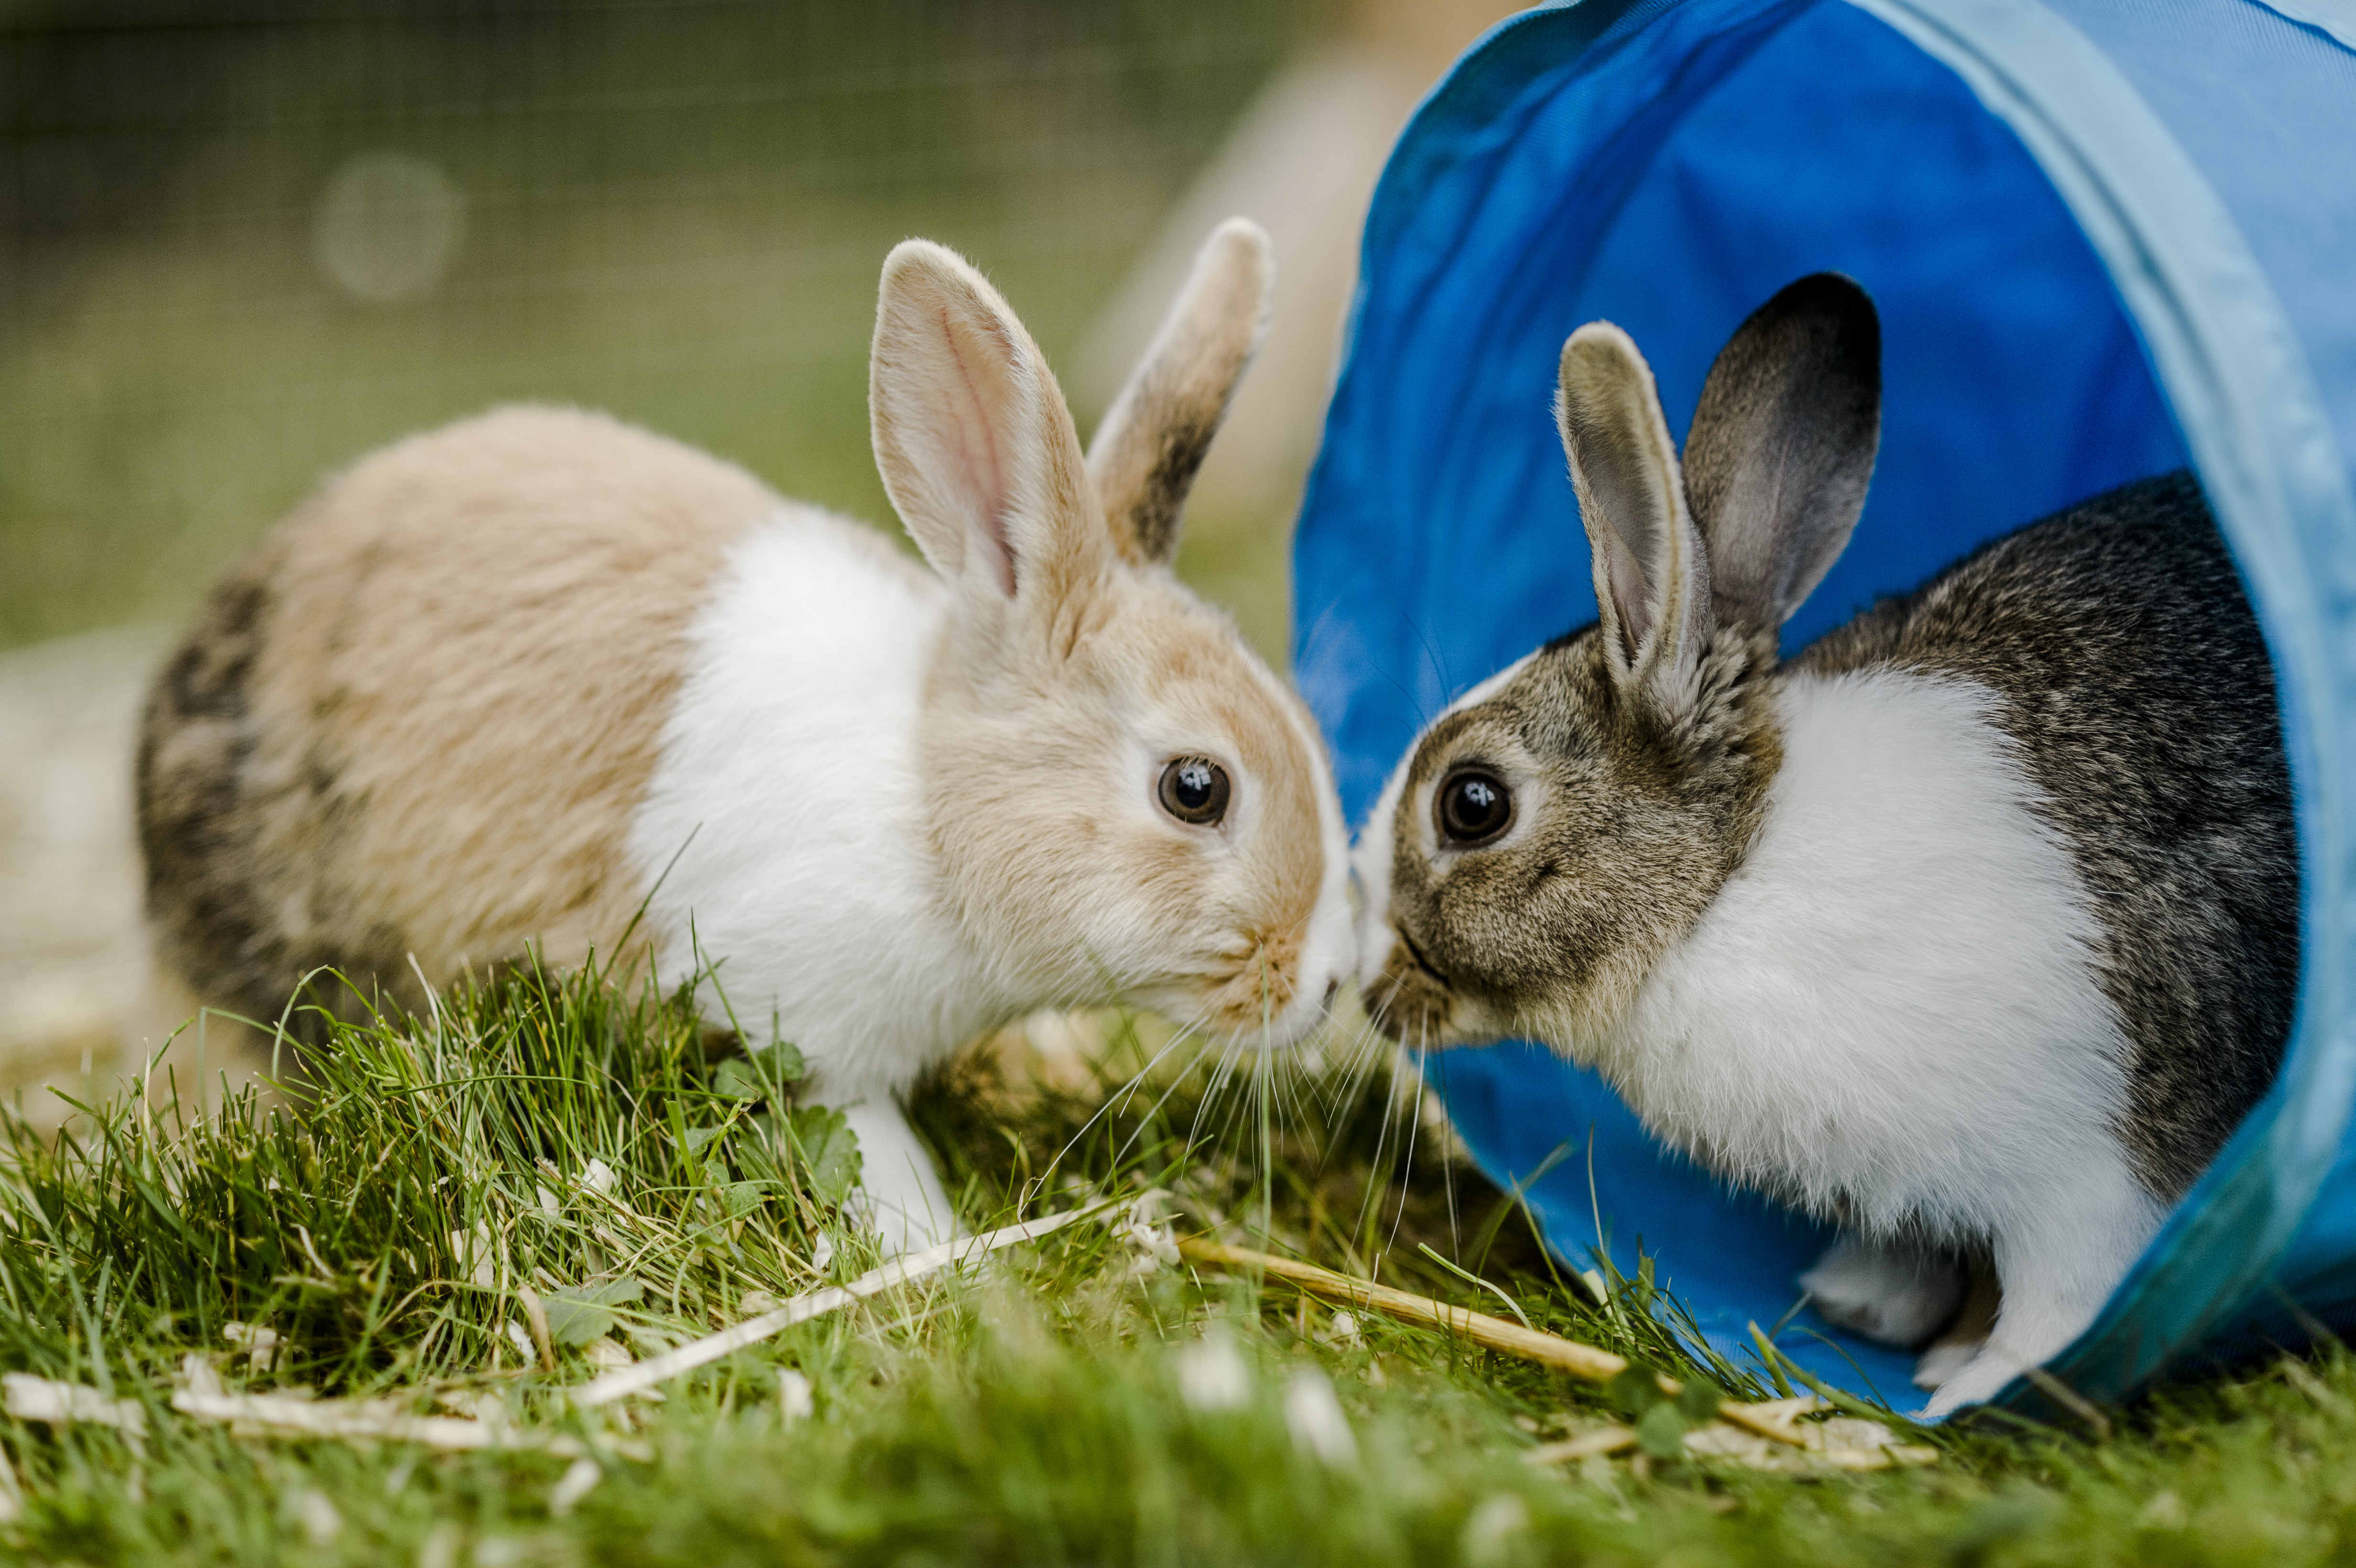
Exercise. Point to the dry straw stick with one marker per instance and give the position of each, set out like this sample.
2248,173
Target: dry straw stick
1772,1420
623,1381
353,1420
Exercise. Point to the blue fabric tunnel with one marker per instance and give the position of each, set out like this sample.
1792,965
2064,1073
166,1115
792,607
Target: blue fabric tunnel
2107,239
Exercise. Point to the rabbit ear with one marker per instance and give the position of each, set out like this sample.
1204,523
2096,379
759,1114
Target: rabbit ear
1146,452
972,437
1652,580
1782,445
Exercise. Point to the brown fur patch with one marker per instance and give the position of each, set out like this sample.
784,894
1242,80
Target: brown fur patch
1046,831
1153,439
417,720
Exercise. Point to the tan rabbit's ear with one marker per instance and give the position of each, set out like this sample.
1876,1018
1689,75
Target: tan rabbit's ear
1652,578
973,439
1147,451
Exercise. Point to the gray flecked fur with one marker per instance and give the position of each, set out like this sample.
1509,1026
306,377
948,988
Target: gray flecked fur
2127,665
2133,676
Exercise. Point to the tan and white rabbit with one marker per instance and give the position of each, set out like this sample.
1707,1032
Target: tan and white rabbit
1972,929
504,684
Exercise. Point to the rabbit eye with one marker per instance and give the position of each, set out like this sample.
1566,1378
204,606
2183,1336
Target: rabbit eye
1194,790
1474,805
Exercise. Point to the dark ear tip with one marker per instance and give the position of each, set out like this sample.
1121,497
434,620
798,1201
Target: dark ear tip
1825,318
1831,302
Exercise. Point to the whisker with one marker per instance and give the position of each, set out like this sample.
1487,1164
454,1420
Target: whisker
1107,1108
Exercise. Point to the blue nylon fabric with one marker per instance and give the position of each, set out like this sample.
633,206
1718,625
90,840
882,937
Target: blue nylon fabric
2215,327
1669,167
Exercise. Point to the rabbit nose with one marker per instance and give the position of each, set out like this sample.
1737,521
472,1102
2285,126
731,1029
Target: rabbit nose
1332,988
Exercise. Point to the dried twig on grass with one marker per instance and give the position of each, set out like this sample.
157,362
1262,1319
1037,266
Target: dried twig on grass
625,1380
349,1420
1608,1439
1774,1420
30,1398
201,1397
1582,1361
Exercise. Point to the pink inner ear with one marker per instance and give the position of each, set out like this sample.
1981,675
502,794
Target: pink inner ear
980,467
1630,595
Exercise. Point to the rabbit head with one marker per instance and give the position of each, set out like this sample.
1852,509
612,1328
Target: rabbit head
1567,822
1125,802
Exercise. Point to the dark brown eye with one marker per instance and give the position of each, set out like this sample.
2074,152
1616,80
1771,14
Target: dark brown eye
1194,790
1474,805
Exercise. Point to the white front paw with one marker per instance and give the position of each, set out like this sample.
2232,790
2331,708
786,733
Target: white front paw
1895,1295
1979,1380
1942,1361
900,1196
904,1221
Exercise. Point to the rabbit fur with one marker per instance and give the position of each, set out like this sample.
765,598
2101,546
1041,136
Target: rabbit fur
1972,929
543,681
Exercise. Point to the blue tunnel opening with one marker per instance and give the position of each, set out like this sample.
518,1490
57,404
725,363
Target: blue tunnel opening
1669,167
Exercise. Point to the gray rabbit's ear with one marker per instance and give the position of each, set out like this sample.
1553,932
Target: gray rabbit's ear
1782,445
1652,578
1152,439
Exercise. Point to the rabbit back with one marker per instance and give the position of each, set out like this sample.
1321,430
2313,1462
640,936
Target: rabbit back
417,719
2128,672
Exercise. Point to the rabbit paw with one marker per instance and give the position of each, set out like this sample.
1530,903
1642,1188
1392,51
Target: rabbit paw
900,1197
1891,1294
1978,1380
1940,1364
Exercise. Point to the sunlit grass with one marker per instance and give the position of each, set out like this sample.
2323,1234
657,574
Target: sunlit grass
567,1136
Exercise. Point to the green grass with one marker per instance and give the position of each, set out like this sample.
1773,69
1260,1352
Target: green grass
1028,1411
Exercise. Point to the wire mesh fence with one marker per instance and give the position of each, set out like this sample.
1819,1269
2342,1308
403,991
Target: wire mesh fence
241,244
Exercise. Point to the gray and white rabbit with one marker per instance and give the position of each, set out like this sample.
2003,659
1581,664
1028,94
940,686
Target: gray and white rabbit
1972,929
500,686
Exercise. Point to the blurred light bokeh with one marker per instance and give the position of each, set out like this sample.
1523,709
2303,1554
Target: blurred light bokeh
243,242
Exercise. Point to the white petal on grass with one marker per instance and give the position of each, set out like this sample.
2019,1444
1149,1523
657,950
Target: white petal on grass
260,1345
317,1517
812,1304
1314,1418
197,1373
1489,1529
12,1495
443,1546
1213,1376
520,1339
796,1400
578,1477
597,1177
479,1260
1143,1227
822,1253
607,1353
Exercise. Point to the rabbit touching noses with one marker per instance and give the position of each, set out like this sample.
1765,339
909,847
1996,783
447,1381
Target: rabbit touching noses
1972,929
500,686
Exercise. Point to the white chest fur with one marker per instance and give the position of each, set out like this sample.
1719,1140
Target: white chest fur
783,818
1889,1007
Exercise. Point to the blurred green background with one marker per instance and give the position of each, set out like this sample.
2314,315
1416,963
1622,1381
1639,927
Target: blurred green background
242,243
